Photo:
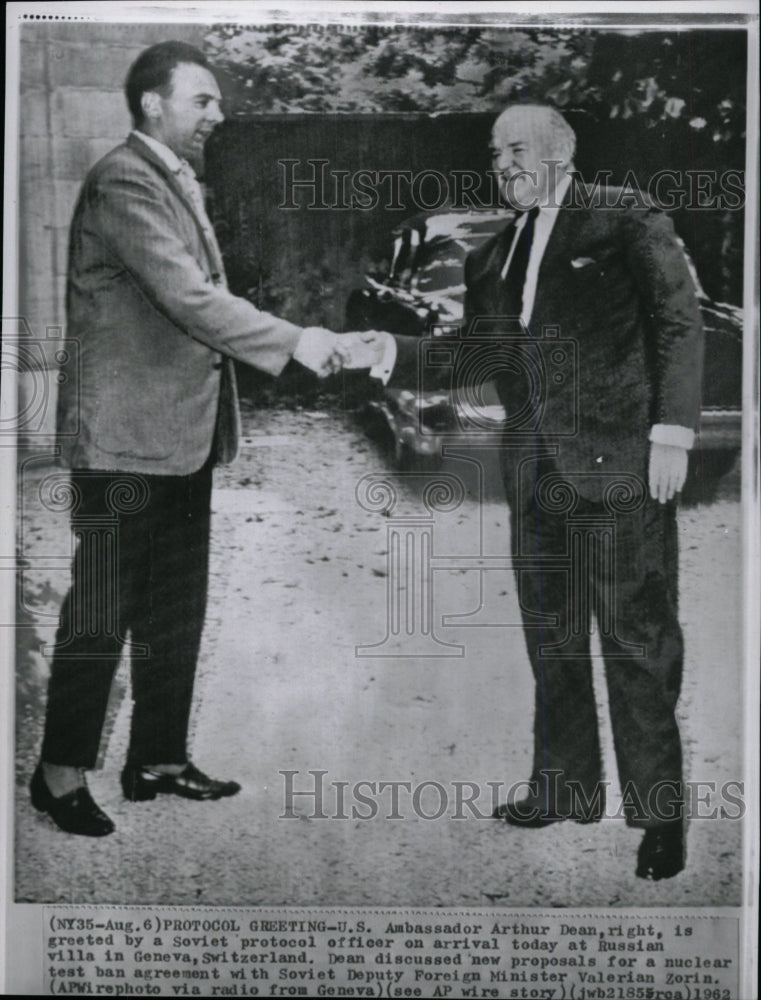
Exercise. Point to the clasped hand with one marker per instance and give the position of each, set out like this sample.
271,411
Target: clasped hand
327,353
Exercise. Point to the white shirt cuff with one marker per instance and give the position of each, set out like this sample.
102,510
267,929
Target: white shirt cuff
386,365
673,434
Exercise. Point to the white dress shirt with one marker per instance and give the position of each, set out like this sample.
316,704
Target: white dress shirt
186,177
543,226
671,434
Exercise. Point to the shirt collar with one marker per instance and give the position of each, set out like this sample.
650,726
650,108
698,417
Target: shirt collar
558,195
167,156
556,203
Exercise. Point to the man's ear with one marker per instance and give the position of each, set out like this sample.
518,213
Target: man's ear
150,102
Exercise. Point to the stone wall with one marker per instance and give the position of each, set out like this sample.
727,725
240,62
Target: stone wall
72,111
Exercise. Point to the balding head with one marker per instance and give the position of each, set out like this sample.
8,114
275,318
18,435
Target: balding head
540,124
533,148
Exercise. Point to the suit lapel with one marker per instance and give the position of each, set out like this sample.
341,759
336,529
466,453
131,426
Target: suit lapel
500,248
571,217
211,248
485,277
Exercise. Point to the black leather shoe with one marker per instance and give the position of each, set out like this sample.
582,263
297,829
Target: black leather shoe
534,812
75,812
662,852
140,784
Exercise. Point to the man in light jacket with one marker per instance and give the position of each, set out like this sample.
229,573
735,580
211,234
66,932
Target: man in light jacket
151,409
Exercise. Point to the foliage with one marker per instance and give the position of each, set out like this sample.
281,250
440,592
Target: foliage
330,68
699,75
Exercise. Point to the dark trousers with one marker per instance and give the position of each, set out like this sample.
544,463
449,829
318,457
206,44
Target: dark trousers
624,569
140,570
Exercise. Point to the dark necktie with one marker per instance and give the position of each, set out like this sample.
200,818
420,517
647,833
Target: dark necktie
516,272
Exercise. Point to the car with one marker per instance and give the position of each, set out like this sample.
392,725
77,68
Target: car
422,292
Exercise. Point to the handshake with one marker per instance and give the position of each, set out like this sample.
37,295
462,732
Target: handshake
327,353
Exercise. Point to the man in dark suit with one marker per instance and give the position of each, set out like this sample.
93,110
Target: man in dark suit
584,313
150,410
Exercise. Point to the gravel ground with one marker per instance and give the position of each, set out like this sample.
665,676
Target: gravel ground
298,579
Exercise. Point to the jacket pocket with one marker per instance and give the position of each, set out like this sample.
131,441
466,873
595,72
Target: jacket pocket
134,435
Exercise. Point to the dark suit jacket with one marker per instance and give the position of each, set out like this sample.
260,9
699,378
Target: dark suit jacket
614,288
155,325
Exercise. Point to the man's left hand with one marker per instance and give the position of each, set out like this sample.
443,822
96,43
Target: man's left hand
668,470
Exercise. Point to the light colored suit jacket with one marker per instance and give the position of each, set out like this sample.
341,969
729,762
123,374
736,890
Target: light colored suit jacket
155,326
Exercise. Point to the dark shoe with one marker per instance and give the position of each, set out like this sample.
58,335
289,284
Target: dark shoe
534,812
140,784
75,812
662,852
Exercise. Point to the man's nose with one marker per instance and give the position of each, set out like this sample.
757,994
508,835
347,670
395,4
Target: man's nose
216,114
504,160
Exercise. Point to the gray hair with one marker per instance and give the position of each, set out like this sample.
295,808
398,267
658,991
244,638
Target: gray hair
563,136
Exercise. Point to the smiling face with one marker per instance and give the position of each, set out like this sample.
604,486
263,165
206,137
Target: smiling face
530,154
184,118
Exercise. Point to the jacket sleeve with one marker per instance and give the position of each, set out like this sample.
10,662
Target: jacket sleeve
671,316
407,373
132,215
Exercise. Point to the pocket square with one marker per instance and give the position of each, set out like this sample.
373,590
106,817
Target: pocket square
579,262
